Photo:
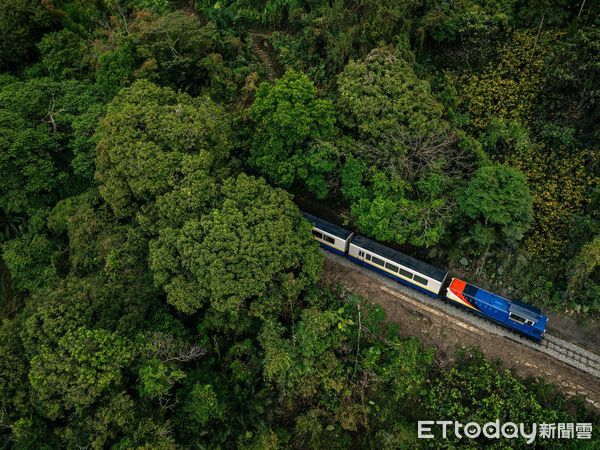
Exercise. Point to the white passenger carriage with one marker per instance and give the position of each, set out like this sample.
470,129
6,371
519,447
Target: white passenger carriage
395,264
330,236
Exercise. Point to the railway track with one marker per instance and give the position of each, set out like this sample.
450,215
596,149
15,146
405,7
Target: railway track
555,347
559,349
571,354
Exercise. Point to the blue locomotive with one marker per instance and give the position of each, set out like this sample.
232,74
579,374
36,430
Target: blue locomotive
517,316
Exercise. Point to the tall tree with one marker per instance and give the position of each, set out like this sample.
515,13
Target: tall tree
497,207
85,364
291,123
65,55
46,130
247,258
397,172
150,138
175,50
22,24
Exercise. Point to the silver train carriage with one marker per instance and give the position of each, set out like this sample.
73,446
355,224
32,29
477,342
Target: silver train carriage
329,235
406,269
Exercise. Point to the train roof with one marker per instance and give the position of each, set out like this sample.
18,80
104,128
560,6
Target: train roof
529,307
499,302
327,227
399,257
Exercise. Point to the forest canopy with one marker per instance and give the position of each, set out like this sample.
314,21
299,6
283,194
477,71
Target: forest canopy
159,286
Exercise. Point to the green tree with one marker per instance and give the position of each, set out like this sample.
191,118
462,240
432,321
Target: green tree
83,16
570,76
150,138
207,413
29,257
475,390
390,209
94,238
13,373
44,126
116,69
497,207
381,97
465,32
86,302
329,33
156,6
22,24
247,257
175,50
148,433
340,371
301,370
291,123
84,365
28,159
65,55
157,378
202,404
403,162
584,278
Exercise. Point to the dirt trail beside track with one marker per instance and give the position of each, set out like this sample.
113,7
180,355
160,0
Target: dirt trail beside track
448,334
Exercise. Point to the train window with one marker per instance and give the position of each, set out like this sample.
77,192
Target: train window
420,280
378,261
516,318
391,267
368,257
328,239
317,234
406,273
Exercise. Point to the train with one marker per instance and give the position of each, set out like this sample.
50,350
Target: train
515,315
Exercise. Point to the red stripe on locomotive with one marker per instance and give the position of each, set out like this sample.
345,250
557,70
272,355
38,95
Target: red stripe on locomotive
457,287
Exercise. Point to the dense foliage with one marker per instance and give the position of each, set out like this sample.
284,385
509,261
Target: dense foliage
291,125
156,292
428,93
